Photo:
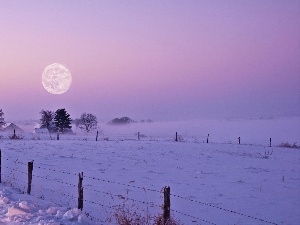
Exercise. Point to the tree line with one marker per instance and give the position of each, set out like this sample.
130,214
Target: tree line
60,121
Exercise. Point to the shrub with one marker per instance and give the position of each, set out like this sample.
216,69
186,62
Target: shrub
266,155
125,215
288,145
16,137
132,215
160,221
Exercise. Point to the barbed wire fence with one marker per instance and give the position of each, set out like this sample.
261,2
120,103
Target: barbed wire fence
99,204
140,136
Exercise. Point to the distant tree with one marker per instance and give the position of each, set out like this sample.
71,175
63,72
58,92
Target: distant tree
88,122
1,116
121,121
62,121
146,121
47,119
1,119
76,122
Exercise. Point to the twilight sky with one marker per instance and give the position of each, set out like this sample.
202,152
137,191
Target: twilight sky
164,60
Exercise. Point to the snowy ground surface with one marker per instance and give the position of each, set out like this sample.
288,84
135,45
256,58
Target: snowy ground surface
215,183
17,208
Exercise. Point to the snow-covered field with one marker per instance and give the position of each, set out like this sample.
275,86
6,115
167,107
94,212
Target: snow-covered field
215,183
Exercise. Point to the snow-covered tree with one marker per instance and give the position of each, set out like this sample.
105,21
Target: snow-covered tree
88,122
62,120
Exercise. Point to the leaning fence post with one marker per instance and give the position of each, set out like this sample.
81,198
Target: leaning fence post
30,169
167,204
239,140
176,138
80,191
270,142
0,165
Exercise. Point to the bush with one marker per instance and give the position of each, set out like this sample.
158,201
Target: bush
288,145
131,215
16,137
121,121
160,221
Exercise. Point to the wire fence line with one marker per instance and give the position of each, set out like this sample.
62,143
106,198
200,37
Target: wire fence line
221,208
140,136
11,176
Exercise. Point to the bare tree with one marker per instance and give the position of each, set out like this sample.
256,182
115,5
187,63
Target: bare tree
47,118
88,122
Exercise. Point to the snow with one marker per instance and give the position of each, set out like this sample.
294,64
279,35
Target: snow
216,183
14,211
5,125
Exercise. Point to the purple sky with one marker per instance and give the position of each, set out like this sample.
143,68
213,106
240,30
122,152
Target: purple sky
152,59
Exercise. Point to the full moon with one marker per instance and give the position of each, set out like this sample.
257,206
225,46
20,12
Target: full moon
56,78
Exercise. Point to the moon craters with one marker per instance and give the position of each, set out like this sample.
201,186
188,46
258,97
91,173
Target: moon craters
56,78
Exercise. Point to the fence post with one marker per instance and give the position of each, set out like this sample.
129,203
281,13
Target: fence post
0,165
57,136
207,138
138,135
167,204
176,138
80,191
30,169
270,142
239,140
97,136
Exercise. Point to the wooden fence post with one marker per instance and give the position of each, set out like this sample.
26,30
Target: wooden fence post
30,169
138,135
80,191
239,140
97,136
167,204
270,142
0,164
176,138
207,138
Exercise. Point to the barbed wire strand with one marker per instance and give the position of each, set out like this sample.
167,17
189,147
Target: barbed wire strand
58,181
16,161
227,210
88,214
128,185
124,198
54,170
13,169
69,198
185,214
